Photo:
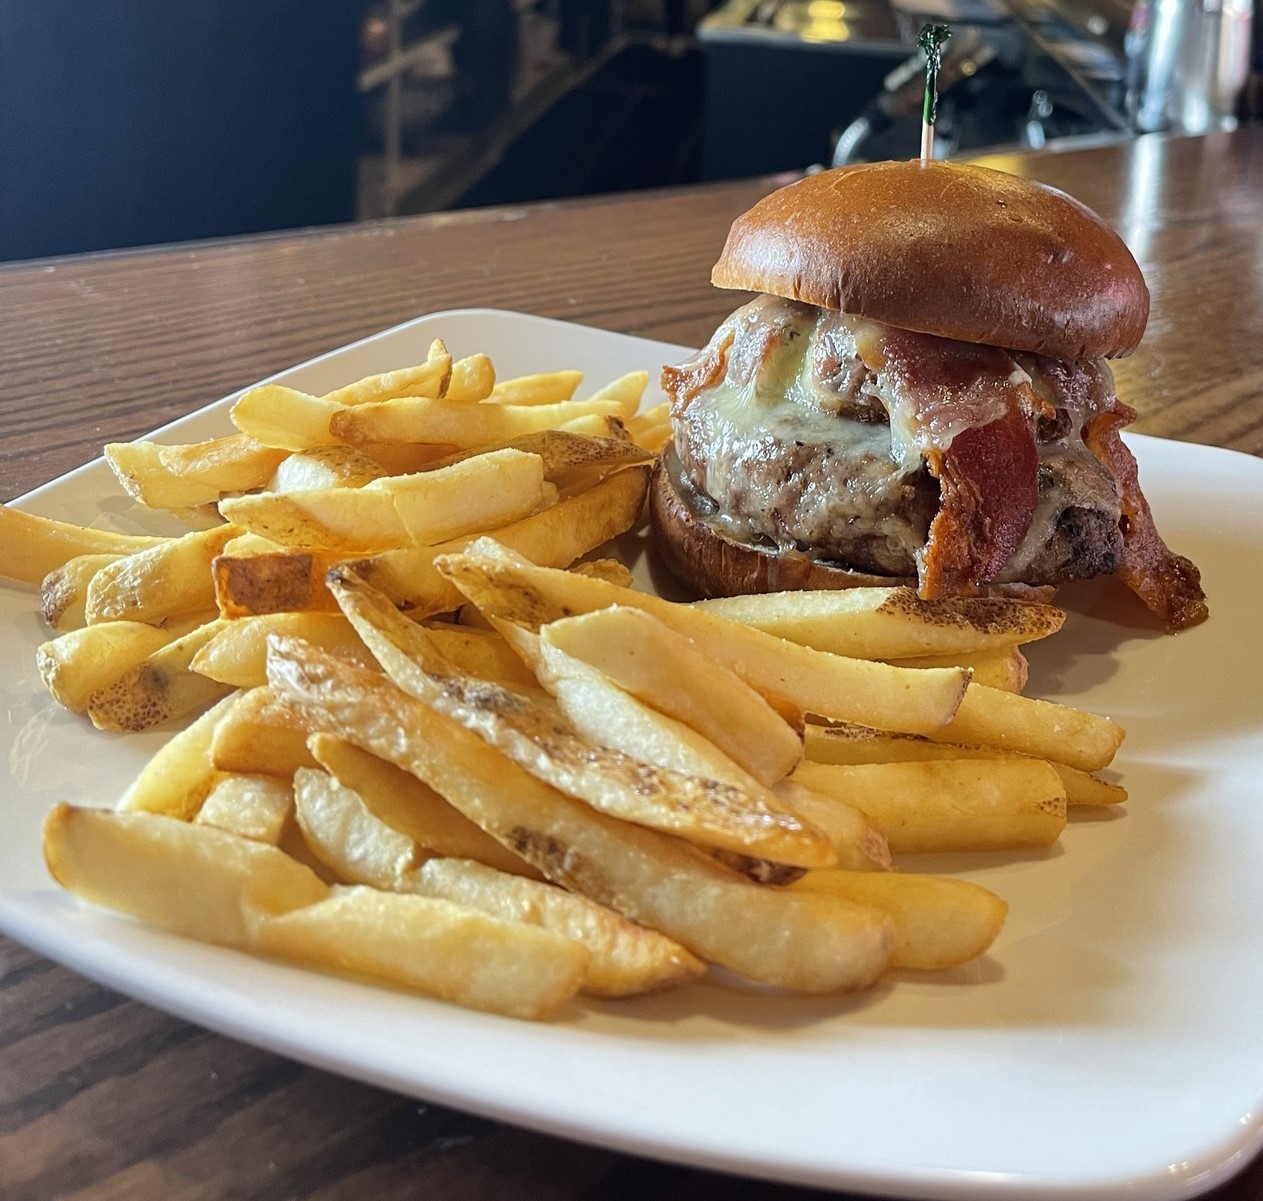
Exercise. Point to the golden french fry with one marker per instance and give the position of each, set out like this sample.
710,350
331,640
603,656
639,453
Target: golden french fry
506,584
63,596
432,946
705,810
481,653
82,662
237,654
626,958
181,775
425,379
165,581
31,546
195,880
653,438
557,535
1005,668
325,467
950,805
411,807
285,418
1026,726
256,583
859,744
627,390
665,669
796,940
341,519
256,807
890,623
939,922
160,687
414,419
606,569
260,736
638,423
347,837
472,379
184,477
565,453
549,388
404,458
480,493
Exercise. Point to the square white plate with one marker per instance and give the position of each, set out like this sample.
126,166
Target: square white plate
1112,1041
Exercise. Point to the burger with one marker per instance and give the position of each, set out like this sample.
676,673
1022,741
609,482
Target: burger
919,394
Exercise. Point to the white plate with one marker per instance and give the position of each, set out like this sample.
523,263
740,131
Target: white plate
1111,1041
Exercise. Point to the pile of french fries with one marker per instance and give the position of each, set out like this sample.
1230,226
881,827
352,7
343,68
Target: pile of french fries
435,742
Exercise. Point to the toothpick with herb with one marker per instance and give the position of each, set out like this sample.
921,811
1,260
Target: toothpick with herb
931,41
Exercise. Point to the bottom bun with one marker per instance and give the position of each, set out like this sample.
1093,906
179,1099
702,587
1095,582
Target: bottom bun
710,563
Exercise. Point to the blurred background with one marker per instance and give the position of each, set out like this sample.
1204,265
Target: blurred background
142,121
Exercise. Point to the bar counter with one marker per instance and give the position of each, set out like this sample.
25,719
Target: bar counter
103,1098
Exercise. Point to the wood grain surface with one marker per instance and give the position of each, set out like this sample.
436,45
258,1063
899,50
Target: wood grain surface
102,1098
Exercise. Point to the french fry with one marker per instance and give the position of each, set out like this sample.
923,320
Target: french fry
183,477
481,653
626,390
413,419
181,775
472,379
260,736
557,535
425,379
237,654
604,713
809,942
480,493
340,519
165,581
890,623
254,807
192,879
564,452
505,584
638,423
161,687
31,546
411,807
939,922
547,388
82,662
1005,668
63,596
431,946
610,570
257,583
1026,726
325,467
665,669
285,418
348,838
705,810
858,744
950,805
626,958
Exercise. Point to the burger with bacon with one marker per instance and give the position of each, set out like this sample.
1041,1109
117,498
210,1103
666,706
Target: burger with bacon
920,393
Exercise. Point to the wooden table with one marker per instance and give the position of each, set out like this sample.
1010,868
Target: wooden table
104,1098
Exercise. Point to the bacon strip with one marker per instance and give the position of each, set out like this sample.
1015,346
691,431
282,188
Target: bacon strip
972,415
1168,584
989,488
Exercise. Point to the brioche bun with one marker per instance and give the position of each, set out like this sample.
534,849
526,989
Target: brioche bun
960,251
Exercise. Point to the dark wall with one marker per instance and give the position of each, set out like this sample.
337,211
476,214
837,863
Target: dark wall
124,122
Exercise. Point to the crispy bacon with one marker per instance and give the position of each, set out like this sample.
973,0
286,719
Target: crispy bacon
971,412
989,488
1168,584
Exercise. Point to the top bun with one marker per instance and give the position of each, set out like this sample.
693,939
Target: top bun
950,249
